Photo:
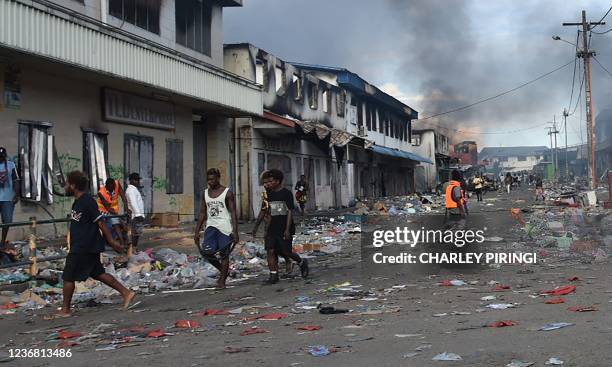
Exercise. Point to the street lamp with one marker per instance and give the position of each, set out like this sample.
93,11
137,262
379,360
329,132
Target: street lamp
557,38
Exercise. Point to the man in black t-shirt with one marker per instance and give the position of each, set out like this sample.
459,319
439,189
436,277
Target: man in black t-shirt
279,236
86,244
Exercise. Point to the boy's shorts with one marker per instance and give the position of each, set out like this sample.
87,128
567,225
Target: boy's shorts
279,244
215,241
79,267
137,226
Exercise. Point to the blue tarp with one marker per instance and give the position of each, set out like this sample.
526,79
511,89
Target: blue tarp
399,154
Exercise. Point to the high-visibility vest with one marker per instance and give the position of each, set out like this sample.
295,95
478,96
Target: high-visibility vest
450,203
113,201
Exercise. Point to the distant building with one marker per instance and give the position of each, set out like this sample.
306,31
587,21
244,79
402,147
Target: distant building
512,159
467,153
433,145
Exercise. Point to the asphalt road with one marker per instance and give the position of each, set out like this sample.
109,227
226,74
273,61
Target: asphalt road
400,318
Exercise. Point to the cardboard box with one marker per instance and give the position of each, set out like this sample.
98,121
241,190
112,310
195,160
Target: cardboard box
165,220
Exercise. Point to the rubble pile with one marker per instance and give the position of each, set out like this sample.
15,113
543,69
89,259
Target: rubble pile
401,205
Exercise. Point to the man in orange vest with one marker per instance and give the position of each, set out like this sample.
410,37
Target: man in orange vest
455,197
108,204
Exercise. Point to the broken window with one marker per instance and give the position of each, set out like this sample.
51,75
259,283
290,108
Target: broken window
141,13
193,19
35,161
318,171
327,101
174,166
522,158
297,87
416,139
313,95
328,172
340,103
368,117
359,114
95,158
279,78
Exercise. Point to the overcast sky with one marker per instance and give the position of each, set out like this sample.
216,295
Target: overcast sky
436,55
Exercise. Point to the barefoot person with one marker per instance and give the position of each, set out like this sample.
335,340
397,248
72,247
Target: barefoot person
86,243
221,230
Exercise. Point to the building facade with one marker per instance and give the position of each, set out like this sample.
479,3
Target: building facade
347,137
512,159
433,145
110,87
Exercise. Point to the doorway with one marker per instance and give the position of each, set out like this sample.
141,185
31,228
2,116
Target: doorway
138,157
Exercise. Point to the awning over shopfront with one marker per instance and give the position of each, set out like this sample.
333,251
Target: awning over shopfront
399,154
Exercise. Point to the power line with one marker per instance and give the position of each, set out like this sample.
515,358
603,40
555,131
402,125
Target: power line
604,32
497,95
579,94
603,67
602,18
569,105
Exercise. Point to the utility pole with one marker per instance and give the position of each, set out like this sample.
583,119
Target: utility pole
586,53
552,151
565,114
553,131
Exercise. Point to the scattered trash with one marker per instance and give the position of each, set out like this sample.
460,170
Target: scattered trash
561,291
488,298
254,330
187,324
329,310
500,306
555,326
554,361
518,363
318,350
410,355
501,288
582,309
454,282
503,323
309,327
445,356
235,350
555,301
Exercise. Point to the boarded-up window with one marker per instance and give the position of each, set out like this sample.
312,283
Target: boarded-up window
340,103
318,171
174,166
35,162
95,159
193,18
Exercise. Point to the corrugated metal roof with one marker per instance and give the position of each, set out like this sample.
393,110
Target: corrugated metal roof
34,31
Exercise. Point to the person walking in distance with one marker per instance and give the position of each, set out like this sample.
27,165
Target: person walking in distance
478,186
218,211
136,207
301,193
279,236
9,192
86,244
508,182
539,188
